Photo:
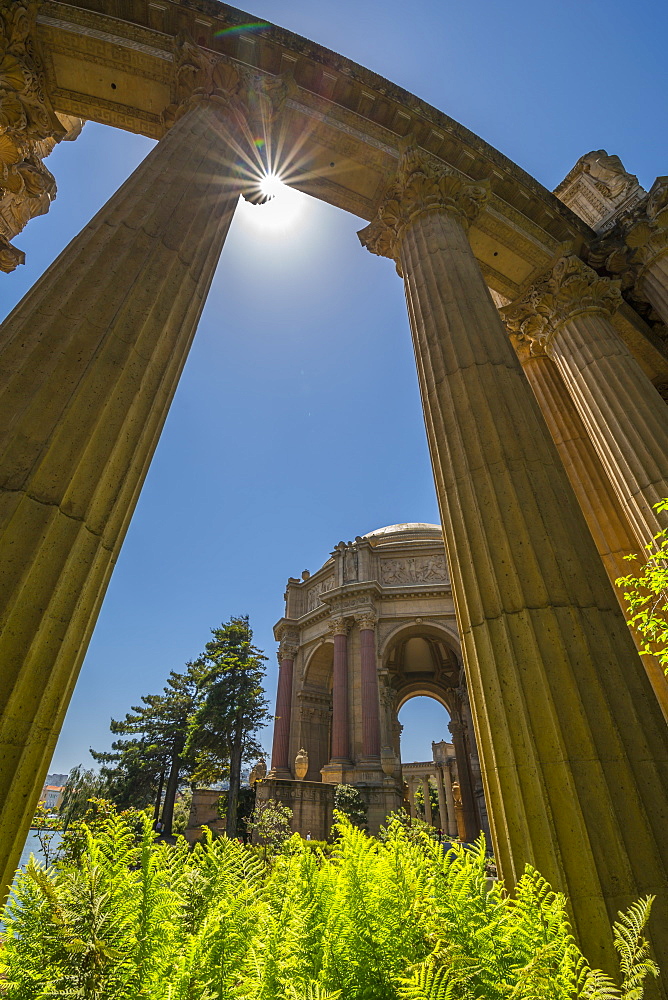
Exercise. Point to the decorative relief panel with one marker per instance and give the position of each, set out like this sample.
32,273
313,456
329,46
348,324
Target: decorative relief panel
317,590
414,570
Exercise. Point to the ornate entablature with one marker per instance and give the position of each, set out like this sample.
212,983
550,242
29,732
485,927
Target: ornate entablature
29,128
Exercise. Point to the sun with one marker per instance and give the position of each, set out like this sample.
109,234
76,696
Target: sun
282,209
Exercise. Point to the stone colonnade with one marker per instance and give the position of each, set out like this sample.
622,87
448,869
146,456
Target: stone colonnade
573,745
419,776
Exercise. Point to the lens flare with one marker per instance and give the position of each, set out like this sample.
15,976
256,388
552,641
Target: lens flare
279,213
239,29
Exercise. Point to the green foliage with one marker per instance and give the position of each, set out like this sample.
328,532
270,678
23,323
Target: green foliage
646,596
347,800
394,920
270,823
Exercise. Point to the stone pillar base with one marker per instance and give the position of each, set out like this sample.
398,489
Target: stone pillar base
312,804
338,772
280,772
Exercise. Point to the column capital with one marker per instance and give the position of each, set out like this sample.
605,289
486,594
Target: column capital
338,626
366,619
456,728
568,289
421,185
647,231
288,643
29,129
252,100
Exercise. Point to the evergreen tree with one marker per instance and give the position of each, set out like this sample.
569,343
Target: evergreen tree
155,735
224,726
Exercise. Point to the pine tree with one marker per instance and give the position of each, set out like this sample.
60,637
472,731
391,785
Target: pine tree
234,707
155,735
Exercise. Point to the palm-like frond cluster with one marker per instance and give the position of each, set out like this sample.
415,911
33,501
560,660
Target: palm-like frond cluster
390,920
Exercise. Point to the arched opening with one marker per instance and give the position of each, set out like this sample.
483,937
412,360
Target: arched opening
429,770
315,710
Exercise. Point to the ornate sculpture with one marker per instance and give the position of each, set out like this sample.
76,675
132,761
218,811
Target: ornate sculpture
421,185
339,626
202,76
29,129
366,619
301,765
608,171
569,288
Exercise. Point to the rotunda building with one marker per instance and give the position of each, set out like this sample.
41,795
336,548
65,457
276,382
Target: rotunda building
372,628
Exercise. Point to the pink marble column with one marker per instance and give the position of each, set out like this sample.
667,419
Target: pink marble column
280,765
340,731
370,700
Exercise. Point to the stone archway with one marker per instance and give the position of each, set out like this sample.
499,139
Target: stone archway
92,357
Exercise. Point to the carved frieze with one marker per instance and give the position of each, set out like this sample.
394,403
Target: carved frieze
316,592
421,185
414,570
569,288
29,129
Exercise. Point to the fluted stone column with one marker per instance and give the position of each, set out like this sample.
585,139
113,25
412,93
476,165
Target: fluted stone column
600,505
569,311
427,801
573,746
340,724
370,697
471,824
90,361
648,238
442,809
411,799
280,754
450,802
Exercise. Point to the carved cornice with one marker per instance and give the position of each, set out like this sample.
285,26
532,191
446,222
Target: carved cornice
421,185
29,128
568,289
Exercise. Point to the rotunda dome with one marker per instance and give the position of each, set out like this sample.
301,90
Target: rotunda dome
409,531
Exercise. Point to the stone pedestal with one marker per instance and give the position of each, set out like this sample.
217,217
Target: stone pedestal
312,804
204,812
573,745
90,361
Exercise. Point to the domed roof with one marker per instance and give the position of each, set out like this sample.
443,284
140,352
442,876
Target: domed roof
410,529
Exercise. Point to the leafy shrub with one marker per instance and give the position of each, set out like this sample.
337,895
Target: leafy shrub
391,920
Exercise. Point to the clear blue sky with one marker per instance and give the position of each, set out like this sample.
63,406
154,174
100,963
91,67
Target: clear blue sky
297,422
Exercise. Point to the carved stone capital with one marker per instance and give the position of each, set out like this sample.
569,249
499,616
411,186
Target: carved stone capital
338,626
526,348
456,728
29,128
199,76
568,289
421,185
287,650
647,233
366,619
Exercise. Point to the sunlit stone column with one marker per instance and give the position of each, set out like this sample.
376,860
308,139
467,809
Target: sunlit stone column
450,802
411,799
648,238
471,824
442,809
569,311
602,509
573,746
340,726
369,680
90,360
427,801
280,754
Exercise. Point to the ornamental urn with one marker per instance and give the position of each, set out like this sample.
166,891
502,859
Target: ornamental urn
301,765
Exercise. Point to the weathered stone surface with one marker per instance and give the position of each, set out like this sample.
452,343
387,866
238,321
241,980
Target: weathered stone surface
91,359
570,735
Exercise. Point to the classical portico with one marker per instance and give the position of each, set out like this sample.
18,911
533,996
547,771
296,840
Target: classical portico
546,465
373,627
